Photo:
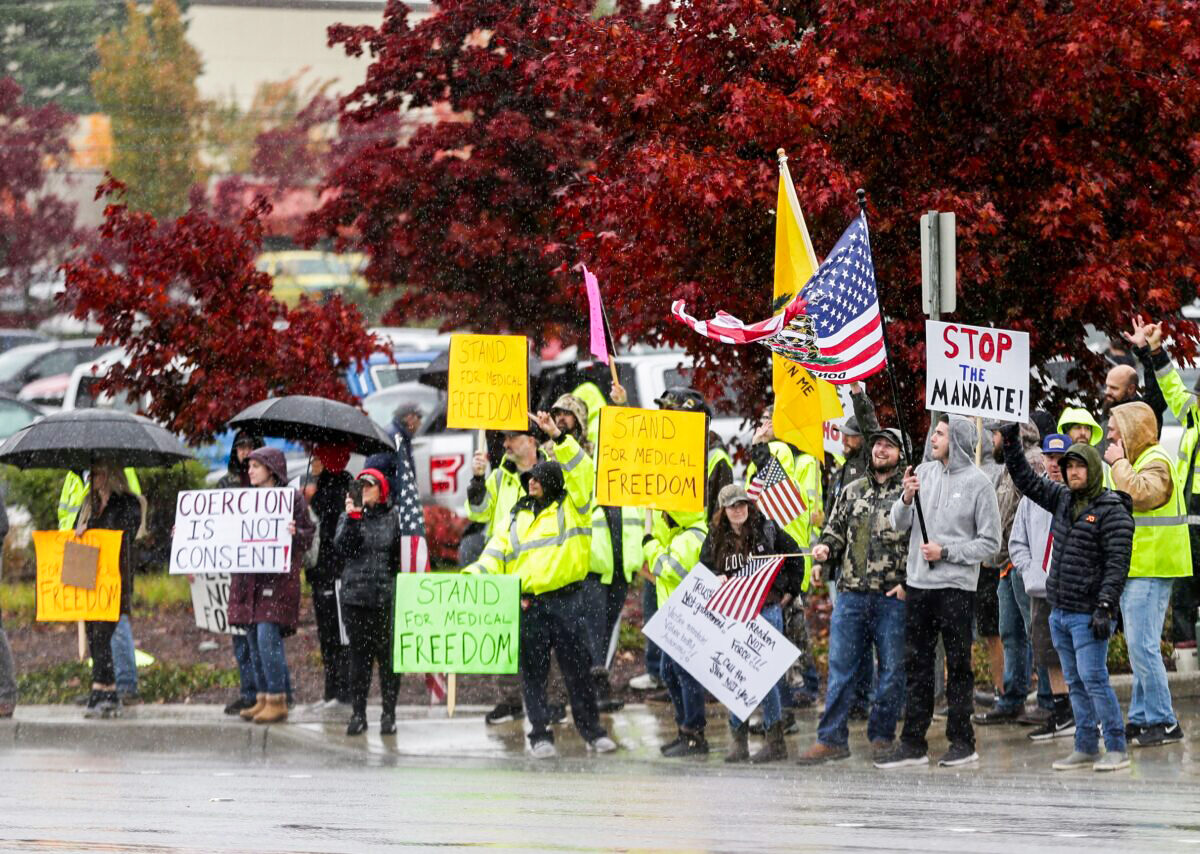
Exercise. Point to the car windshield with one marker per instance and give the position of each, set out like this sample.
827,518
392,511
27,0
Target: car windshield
15,361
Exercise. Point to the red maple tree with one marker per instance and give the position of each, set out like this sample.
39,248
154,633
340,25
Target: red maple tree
203,335
1065,136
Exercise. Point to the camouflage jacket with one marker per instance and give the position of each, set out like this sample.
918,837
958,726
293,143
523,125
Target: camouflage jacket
873,555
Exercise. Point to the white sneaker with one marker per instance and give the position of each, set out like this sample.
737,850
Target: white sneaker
645,682
603,744
543,750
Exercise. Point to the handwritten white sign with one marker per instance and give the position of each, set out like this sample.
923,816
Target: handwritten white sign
210,601
232,530
737,662
977,370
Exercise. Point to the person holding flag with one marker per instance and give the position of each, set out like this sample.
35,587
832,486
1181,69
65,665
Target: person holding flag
738,534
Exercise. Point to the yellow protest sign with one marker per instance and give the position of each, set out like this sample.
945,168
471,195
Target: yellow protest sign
651,458
488,383
58,602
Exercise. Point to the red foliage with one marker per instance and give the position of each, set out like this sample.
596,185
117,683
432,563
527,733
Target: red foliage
1066,137
36,228
203,334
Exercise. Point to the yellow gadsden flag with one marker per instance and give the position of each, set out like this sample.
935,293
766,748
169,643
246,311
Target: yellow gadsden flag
802,403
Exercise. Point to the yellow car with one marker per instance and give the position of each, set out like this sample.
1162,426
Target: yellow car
310,273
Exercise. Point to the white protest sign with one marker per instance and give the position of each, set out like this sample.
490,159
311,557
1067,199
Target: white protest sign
210,601
232,530
977,370
737,662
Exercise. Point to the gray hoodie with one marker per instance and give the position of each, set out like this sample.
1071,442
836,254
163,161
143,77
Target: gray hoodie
961,514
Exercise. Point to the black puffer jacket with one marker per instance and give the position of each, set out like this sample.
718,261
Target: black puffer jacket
370,546
1091,554
328,503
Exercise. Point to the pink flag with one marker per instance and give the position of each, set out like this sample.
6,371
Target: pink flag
599,345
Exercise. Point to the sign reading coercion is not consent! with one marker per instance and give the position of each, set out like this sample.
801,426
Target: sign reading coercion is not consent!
232,530
737,662
651,458
451,623
977,370
488,382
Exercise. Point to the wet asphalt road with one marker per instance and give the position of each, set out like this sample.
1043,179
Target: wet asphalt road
385,798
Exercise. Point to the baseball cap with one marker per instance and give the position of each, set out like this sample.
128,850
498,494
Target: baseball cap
1055,443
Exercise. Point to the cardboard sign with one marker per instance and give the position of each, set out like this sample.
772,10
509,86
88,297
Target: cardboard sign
451,623
80,565
60,602
977,370
488,383
737,662
651,458
232,530
210,602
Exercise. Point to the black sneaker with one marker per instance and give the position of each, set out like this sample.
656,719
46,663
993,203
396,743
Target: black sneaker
503,713
1153,736
996,716
357,725
985,697
670,745
387,724
1173,734
1132,730
237,705
958,754
689,744
901,756
1055,727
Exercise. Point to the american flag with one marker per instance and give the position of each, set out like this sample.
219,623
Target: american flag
414,551
742,594
776,495
838,334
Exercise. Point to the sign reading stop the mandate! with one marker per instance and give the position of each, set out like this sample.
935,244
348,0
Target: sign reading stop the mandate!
977,370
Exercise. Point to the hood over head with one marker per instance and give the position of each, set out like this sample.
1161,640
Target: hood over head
275,462
963,438
1095,480
550,475
379,479
1080,416
1138,426
241,436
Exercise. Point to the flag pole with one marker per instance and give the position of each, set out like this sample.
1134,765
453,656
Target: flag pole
908,452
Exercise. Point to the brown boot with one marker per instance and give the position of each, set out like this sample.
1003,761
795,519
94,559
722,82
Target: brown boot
275,710
774,749
739,747
248,714
820,753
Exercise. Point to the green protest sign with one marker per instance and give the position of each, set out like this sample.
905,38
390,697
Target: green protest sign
451,623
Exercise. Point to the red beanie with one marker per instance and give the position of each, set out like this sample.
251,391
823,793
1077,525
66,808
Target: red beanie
377,476
333,457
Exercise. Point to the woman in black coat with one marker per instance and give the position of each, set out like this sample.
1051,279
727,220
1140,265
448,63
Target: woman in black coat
368,537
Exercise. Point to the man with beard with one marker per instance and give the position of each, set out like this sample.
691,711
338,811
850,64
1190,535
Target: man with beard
870,605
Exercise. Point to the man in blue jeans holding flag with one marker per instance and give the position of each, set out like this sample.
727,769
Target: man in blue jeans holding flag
869,611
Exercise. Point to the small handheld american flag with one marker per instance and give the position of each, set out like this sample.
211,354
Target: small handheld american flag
776,495
743,593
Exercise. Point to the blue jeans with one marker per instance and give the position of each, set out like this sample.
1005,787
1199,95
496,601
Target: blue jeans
654,655
687,696
1085,669
124,660
860,621
1144,608
1018,654
772,701
248,689
267,656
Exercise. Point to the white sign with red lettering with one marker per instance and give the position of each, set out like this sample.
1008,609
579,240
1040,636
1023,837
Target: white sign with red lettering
977,370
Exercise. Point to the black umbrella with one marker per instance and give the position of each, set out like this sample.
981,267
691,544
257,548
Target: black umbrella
314,419
76,439
437,373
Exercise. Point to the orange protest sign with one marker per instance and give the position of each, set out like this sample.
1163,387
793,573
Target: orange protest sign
58,602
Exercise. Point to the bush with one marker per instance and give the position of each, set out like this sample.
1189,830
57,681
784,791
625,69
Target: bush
35,489
161,486
161,682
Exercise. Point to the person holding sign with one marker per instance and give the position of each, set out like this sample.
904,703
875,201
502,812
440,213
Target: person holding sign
109,505
328,502
963,522
267,604
546,545
369,538
740,531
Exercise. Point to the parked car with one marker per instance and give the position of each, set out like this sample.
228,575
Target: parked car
22,365
46,393
312,273
15,414
10,338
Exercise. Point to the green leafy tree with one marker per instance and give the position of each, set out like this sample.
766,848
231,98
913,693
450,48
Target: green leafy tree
146,82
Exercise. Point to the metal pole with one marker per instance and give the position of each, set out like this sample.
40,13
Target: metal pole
908,453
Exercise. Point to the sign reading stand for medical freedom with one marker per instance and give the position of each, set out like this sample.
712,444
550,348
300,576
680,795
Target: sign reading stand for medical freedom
451,623
977,370
488,382
232,530
737,662
652,458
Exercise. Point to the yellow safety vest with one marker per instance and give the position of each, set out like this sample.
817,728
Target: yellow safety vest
1161,547
75,490
546,551
602,561
674,549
